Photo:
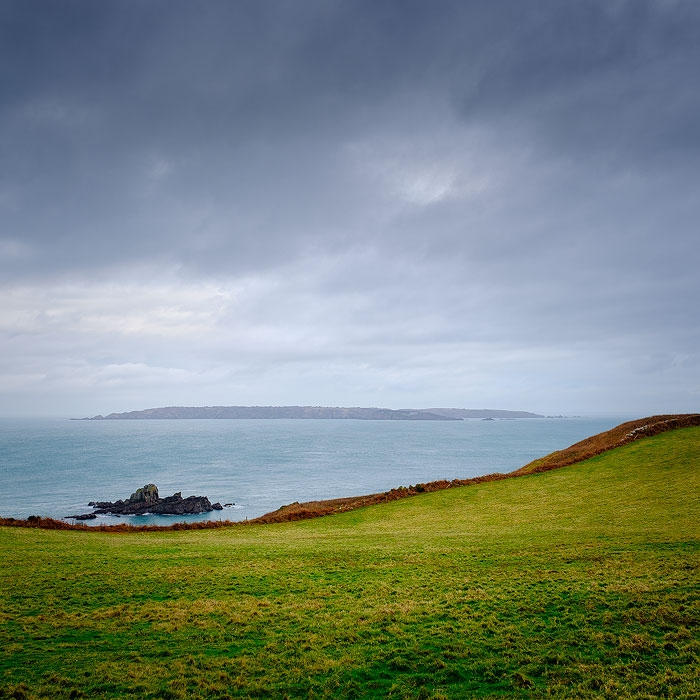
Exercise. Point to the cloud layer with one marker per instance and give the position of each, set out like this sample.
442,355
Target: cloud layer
349,203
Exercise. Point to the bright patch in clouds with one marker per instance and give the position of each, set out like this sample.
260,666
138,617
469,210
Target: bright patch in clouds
425,170
166,310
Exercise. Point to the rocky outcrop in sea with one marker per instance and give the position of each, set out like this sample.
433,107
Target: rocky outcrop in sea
146,500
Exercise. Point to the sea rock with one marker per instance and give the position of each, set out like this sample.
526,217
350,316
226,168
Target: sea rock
148,494
147,500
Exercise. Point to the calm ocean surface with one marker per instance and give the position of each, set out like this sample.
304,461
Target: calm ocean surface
55,467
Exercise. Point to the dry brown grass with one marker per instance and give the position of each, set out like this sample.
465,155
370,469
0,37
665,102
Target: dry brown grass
35,521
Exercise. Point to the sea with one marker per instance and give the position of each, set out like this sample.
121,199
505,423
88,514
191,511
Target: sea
55,467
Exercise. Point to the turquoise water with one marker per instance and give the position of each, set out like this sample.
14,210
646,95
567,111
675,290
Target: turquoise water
55,467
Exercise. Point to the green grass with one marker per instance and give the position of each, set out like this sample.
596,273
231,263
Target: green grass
579,582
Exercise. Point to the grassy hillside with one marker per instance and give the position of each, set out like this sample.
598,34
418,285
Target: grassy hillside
578,582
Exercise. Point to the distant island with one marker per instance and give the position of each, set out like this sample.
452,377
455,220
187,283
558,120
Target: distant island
322,412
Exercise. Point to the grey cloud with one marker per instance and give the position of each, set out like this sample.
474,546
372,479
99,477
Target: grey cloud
398,180
247,103
611,77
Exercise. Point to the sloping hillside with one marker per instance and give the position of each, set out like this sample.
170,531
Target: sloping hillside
608,440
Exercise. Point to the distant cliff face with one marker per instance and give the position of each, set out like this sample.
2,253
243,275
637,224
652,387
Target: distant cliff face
312,412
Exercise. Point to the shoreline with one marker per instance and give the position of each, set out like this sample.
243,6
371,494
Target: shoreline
622,434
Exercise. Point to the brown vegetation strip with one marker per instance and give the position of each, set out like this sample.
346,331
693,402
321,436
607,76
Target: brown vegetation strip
608,440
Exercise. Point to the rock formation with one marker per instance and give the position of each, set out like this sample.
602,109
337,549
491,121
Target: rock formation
147,500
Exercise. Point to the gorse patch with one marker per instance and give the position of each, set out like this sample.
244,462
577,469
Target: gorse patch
577,582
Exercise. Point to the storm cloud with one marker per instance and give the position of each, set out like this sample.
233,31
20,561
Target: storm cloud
393,203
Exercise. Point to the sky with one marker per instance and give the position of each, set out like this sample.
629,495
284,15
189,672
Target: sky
395,203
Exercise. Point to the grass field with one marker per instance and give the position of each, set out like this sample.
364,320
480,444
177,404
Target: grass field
578,582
